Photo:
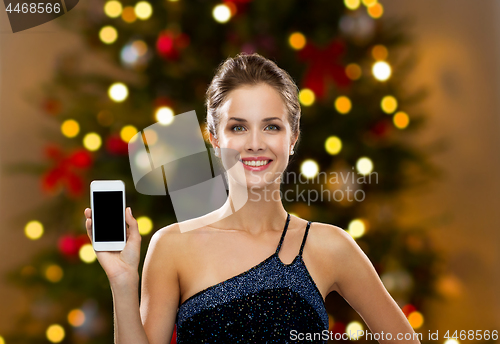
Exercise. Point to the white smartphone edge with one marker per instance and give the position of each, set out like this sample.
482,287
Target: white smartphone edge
108,185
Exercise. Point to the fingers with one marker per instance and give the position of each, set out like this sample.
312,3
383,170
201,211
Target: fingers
88,222
133,230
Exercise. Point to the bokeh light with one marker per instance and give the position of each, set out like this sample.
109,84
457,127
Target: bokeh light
356,228
76,317
379,52
364,165
389,104
92,141
53,273
143,10
381,70
87,253
416,319
113,8
128,14
352,4
306,97
145,225
221,13
297,40
70,128
352,329
33,229
401,120
55,333
164,115
376,11
118,92
309,168
343,105
128,132
353,71
108,34
333,145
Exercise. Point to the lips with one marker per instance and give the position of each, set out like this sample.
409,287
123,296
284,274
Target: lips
256,163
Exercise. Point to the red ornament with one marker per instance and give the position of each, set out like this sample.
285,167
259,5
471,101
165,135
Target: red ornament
407,309
381,128
70,245
63,174
115,145
169,44
324,64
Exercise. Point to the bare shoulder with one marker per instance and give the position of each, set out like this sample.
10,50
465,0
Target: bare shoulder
334,244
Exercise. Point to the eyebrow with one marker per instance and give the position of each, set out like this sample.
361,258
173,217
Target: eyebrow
268,119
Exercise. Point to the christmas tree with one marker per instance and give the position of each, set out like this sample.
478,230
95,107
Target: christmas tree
357,121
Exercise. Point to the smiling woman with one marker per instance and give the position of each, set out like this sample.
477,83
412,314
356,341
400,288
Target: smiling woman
221,282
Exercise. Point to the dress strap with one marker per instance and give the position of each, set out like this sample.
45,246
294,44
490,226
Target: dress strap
284,232
304,240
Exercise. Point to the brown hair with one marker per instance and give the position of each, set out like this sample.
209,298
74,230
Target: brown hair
250,69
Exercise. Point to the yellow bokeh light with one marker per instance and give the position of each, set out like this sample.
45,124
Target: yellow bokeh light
143,10
353,71
389,104
108,34
369,3
113,8
380,52
448,341
70,128
128,14
164,115
92,141
343,104
306,97
401,120
33,230
140,47
416,319
352,4
54,273
221,13
128,132
2,341
333,145
76,317
356,228
55,333
375,11
352,330
145,225
87,253
297,40
364,165
309,168
118,92
381,70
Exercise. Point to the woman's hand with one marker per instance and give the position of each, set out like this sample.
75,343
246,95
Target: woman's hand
120,265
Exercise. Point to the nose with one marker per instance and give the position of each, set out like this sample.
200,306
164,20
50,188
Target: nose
255,142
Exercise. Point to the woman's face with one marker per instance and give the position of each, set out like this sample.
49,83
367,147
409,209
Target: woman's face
254,124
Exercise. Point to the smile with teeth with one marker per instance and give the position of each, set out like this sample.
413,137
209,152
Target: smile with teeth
256,163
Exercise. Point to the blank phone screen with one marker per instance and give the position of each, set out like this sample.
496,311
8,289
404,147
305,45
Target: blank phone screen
108,215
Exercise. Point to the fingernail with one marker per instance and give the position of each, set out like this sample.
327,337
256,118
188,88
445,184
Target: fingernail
130,210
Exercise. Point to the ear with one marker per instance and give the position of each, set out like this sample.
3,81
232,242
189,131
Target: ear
213,141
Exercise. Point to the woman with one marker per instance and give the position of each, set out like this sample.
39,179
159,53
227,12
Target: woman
221,282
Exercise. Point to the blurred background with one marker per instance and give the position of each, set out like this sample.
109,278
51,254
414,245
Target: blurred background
406,89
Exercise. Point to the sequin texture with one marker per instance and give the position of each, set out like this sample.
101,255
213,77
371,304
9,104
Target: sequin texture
261,305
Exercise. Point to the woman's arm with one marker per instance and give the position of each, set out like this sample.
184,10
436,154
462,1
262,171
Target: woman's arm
151,322
357,281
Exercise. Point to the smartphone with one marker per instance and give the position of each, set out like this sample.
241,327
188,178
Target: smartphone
107,198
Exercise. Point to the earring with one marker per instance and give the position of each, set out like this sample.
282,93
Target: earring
216,152
291,152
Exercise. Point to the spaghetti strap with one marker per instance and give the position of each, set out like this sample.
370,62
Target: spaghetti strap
305,236
283,234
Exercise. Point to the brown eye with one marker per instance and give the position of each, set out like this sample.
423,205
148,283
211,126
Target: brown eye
237,126
273,127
